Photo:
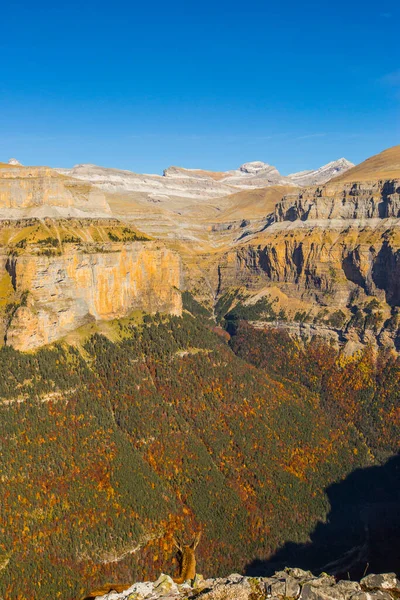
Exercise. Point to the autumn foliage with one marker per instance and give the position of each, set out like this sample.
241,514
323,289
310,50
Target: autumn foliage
108,452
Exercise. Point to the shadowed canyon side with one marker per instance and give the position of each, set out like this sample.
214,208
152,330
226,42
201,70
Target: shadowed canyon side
362,528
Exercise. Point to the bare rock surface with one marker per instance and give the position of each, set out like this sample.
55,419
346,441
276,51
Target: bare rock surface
386,581
175,184
42,192
291,583
348,201
323,174
201,184
15,162
69,290
320,250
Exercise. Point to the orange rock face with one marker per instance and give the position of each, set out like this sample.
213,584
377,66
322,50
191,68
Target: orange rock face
74,288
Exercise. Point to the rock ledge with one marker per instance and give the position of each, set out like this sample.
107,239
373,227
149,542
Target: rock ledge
288,584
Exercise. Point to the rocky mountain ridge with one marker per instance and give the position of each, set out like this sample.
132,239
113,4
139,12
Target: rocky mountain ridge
322,256
351,201
324,273
323,174
200,184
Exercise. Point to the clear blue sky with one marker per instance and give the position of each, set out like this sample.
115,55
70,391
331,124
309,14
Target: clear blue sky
210,84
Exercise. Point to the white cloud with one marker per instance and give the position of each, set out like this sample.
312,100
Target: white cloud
310,135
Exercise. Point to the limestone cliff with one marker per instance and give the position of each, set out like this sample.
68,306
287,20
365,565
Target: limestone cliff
356,200
58,294
64,261
322,256
327,265
44,192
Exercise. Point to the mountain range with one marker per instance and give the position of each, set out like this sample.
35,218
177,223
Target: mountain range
201,184
320,252
175,361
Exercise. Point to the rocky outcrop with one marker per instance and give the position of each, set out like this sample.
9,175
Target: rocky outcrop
362,200
291,583
327,266
60,293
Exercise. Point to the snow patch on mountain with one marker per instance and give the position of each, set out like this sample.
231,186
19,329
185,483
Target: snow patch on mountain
201,184
321,175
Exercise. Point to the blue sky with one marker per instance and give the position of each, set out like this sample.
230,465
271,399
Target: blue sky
210,84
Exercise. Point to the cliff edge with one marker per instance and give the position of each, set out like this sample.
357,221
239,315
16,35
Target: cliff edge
290,583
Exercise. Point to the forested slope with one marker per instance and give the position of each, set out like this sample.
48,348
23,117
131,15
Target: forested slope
109,450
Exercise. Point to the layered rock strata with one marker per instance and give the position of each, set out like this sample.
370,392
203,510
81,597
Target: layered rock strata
40,191
325,248
64,261
58,294
331,249
200,184
359,200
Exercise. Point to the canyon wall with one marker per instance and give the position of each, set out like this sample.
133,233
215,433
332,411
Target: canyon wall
323,266
64,261
354,200
324,255
325,248
58,294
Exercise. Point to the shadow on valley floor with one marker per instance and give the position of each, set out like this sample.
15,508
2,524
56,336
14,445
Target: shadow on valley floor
362,532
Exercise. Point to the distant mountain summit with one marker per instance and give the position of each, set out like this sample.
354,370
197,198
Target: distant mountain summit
323,174
255,167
